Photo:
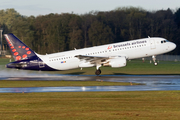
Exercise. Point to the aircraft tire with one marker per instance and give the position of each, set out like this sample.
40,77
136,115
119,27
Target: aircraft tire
155,63
98,72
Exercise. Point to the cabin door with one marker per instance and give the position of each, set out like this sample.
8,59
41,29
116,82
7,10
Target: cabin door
152,44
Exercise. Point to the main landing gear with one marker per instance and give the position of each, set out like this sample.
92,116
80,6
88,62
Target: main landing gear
154,60
98,72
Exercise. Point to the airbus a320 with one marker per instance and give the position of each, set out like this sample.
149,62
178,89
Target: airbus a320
114,55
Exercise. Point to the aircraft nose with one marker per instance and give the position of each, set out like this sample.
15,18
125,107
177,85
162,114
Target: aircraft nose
173,46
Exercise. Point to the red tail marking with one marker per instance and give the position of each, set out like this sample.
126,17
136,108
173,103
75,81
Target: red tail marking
14,50
18,57
28,52
16,53
24,56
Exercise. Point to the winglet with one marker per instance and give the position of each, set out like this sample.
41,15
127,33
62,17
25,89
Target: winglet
18,49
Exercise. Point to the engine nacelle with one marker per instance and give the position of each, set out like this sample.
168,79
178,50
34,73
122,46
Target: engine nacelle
116,62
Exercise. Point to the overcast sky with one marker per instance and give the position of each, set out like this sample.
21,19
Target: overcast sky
43,7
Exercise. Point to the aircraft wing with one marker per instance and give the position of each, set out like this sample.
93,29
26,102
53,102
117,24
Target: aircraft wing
92,59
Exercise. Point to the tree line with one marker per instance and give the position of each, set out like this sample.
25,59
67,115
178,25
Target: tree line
61,32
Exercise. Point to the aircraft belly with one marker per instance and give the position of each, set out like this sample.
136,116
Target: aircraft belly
64,65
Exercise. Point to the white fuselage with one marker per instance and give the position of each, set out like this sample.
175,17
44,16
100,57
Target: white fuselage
130,50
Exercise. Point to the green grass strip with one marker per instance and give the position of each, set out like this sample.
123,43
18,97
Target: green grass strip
146,105
9,83
134,67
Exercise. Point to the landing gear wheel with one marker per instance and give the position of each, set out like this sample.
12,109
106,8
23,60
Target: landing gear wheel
155,63
154,60
98,72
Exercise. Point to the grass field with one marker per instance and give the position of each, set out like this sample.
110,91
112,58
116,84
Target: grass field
133,67
136,105
13,83
153,105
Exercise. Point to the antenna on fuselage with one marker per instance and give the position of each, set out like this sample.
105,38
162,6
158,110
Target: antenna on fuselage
149,37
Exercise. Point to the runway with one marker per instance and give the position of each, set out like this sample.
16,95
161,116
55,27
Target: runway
151,82
89,89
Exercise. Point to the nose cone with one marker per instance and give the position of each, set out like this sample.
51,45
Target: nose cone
173,46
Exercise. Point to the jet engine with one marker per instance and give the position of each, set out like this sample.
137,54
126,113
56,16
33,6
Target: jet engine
116,62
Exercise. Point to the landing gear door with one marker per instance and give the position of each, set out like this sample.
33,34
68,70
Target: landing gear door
152,44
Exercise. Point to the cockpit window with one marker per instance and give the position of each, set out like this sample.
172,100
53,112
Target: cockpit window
164,41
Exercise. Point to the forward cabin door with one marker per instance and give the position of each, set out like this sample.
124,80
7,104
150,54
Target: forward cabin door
152,44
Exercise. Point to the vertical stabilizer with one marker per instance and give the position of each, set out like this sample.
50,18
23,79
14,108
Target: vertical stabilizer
18,49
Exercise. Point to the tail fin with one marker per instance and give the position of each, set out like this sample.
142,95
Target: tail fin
18,49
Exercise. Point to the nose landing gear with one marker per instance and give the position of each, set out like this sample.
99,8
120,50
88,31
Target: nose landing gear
154,60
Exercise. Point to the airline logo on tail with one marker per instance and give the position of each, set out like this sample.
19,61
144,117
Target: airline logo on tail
18,49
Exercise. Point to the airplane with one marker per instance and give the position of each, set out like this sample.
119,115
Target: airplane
114,55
